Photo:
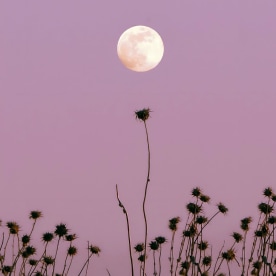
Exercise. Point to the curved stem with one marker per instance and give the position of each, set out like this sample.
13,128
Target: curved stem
144,201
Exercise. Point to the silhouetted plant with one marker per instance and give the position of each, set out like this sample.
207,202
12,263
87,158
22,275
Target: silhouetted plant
21,252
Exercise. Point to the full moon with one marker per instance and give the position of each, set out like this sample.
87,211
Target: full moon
140,48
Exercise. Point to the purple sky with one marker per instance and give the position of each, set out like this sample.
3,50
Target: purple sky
68,132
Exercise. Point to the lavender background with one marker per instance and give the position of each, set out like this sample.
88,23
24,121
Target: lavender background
67,127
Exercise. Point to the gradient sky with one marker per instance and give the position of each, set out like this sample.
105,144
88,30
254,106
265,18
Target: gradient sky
68,132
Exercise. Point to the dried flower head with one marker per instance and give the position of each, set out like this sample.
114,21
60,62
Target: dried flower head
48,260
61,230
271,220
25,239
142,114
203,245
33,262
94,249
142,258
268,192
245,223
13,227
229,255
192,230
70,237
47,237
139,247
273,245
185,265
222,208
35,215
193,208
186,233
173,223
201,220
160,239
237,237
204,198
196,192
29,251
154,245
265,208
6,269
207,260
72,251
257,265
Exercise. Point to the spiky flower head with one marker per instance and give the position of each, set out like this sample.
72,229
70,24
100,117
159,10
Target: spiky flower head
35,215
173,223
142,114
229,255
139,247
13,227
142,258
193,208
33,262
94,249
48,260
204,198
25,239
201,220
258,233
203,245
271,220
72,251
154,245
160,239
196,192
273,245
265,208
29,251
222,208
257,265
61,230
268,192
207,260
193,230
47,237
237,237
186,233
273,197
70,237
185,265
6,269
245,223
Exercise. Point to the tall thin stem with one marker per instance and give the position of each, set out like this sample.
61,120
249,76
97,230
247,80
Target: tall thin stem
144,201
54,264
128,229
87,260
159,259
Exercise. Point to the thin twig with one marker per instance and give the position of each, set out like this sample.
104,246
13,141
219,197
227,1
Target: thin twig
128,229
